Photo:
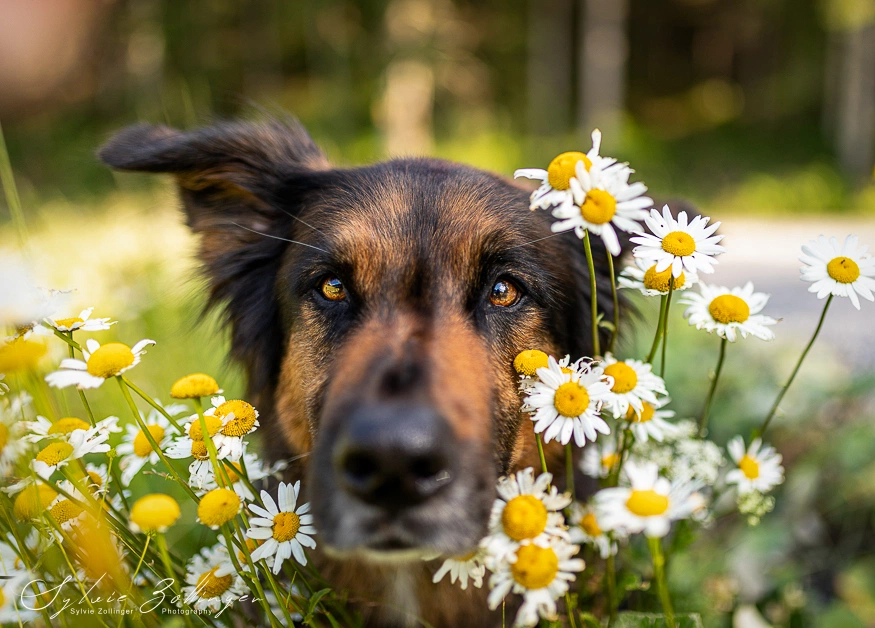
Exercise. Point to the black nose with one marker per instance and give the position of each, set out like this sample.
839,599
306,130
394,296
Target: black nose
394,455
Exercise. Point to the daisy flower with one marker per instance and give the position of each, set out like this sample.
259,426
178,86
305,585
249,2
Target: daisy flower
463,568
66,513
585,530
844,270
12,445
135,451
12,610
284,530
568,403
644,278
634,382
77,444
526,509
759,467
603,199
729,312
540,572
42,428
211,580
100,363
98,478
649,505
255,469
154,512
201,468
651,421
599,458
677,244
83,322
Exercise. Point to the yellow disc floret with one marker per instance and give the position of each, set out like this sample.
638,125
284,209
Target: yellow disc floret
244,417
524,517
590,525
598,207
659,281
728,308
67,425
679,243
20,355
843,269
214,424
110,360
750,467
194,385
65,511
4,436
68,323
646,414
625,377
535,567
218,507
610,460
528,362
209,585
199,450
571,399
647,503
32,501
55,453
561,169
155,512
285,526
142,446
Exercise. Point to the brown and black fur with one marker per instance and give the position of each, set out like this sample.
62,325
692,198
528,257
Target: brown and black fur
417,243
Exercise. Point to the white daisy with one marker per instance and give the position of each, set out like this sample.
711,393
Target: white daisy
729,312
568,403
683,246
201,468
83,322
602,199
634,382
844,270
12,444
100,363
585,530
135,450
649,505
211,580
599,458
650,422
98,478
77,444
759,468
540,572
284,530
12,608
463,568
66,513
525,509
256,470
642,276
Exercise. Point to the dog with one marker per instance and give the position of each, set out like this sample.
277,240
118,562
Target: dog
377,312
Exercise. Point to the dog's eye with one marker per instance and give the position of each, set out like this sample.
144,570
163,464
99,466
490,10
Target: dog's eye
504,293
332,289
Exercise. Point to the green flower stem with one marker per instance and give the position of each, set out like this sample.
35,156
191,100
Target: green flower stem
241,473
626,438
541,453
658,335
168,567
594,299
665,325
616,299
81,392
231,541
274,586
783,392
151,402
569,469
572,623
703,419
134,576
222,478
611,586
655,546
13,201
66,338
24,555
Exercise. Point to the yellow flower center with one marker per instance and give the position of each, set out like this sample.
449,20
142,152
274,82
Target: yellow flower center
214,424
65,510
4,436
55,453
218,506
2,599
647,503
843,269
142,446
32,501
535,566
95,479
524,517
625,377
251,545
610,460
561,169
68,322
728,308
155,512
679,243
20,355
647,411
209,585
110,359
199,450
571,399
528,362
285,526
194,385
67,425
233,476
590,525
659,281
750,467
244,417
598,207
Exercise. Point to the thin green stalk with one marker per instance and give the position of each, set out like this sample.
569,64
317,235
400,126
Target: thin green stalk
541,453
222,478
230,540
614,475
655,546
570,606
616,299
168,567
151,402
658,336
13,201
24,554
611,586
703,419
783,391
665,326
569,469
594,299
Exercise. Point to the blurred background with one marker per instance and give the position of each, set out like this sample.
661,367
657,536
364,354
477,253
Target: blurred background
760,112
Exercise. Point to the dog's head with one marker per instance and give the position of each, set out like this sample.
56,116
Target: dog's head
377,311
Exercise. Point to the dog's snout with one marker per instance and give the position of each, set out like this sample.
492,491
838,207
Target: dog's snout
394,455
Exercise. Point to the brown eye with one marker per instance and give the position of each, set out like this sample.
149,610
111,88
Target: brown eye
504,293
332,289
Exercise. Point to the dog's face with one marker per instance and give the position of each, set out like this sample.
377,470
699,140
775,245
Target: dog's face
378,311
